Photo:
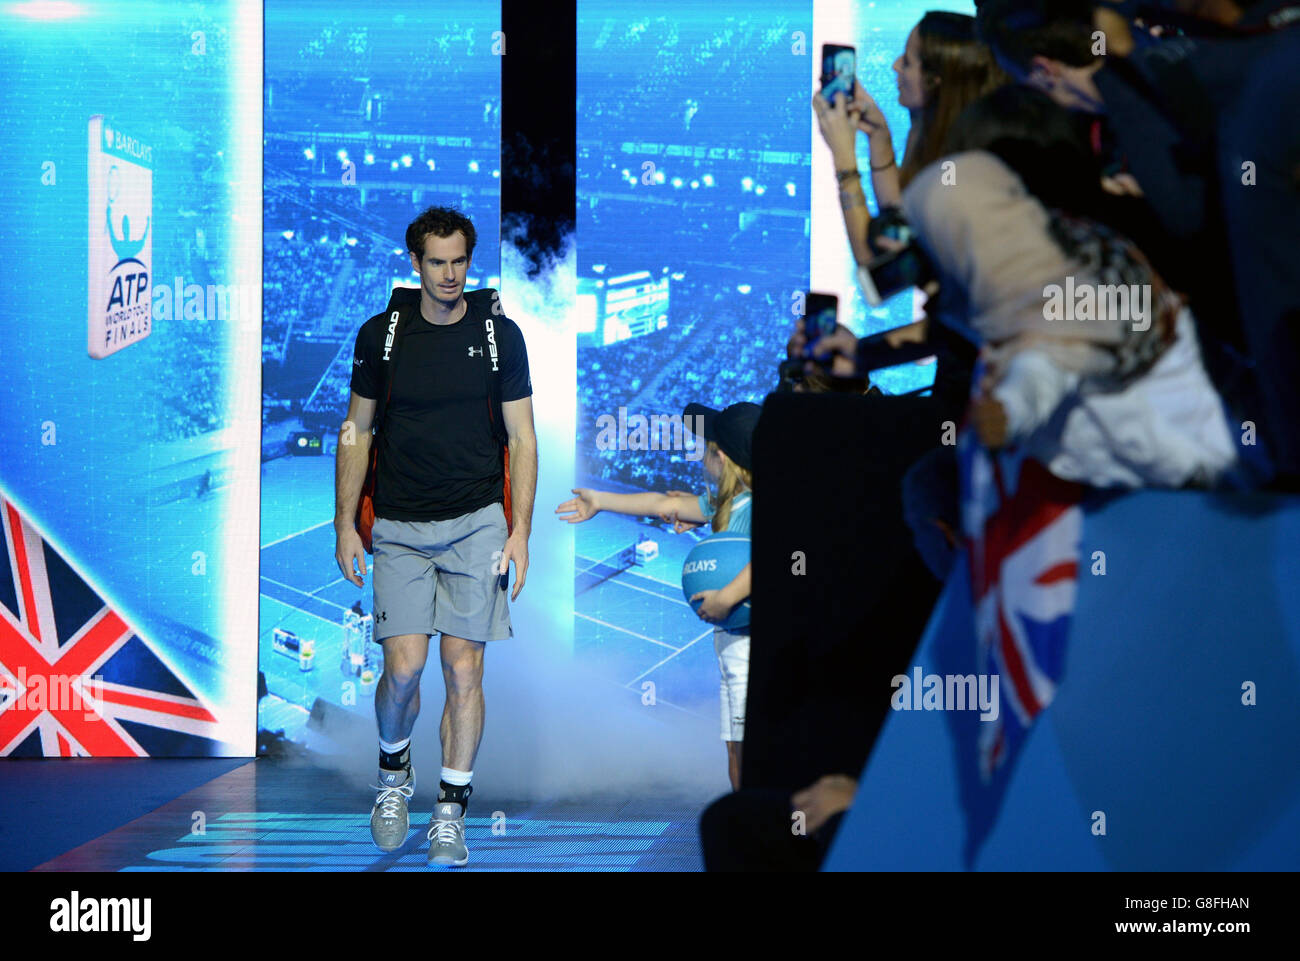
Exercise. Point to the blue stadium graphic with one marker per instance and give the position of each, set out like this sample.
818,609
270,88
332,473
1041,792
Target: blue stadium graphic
693,219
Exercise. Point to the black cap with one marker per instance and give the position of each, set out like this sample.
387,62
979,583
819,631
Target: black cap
731,429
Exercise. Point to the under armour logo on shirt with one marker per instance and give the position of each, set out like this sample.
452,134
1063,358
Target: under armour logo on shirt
480,351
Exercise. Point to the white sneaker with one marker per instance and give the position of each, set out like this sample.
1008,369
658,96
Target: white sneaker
447,835
390,818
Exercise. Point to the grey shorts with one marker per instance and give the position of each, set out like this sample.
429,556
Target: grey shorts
434,577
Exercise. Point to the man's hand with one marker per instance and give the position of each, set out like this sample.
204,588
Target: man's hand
885,244
913,333
516,550
794,347
1122,185
823,800
583,507
989,418
836,354
350,554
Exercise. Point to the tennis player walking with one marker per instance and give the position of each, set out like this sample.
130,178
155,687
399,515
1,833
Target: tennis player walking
441,379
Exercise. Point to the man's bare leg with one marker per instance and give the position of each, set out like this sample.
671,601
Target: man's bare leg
397,696
397,704
462,716
460,732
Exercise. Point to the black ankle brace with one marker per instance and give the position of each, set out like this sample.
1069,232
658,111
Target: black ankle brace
395,762
455,793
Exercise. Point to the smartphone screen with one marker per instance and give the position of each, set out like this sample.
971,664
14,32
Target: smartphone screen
820,316
839,66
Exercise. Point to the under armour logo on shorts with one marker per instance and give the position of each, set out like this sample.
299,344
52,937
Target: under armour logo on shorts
480,351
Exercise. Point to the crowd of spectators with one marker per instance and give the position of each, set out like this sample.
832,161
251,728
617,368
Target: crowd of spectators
693,73
715,350
723,205
1153,163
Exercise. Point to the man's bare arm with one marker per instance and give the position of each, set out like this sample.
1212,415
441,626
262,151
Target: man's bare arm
351,460
350,463
518,416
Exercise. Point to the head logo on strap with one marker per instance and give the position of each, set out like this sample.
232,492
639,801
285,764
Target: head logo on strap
392,328
492,341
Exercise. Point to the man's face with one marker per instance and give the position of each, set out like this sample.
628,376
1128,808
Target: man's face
443,268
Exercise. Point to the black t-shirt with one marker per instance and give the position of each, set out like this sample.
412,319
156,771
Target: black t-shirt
438,455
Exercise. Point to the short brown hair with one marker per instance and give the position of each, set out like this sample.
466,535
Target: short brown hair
440,222
1020,30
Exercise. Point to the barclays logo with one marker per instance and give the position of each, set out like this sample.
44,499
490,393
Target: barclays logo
692,567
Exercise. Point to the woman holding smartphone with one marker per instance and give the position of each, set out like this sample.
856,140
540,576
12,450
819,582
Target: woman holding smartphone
943,68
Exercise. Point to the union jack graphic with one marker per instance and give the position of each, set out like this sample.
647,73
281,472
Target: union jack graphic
75,678
1023,529
1023,526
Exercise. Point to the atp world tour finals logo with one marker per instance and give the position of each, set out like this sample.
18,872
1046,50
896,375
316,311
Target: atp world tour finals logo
121,238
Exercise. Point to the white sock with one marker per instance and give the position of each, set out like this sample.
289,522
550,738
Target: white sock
397,747
456,778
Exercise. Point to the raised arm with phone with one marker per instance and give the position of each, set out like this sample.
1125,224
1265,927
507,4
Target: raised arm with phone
942,69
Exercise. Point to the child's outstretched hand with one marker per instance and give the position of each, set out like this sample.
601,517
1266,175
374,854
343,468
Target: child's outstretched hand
670,517
583,507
